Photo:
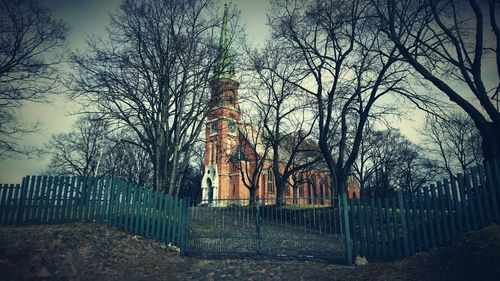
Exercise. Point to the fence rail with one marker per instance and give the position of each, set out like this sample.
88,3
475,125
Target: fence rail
60,199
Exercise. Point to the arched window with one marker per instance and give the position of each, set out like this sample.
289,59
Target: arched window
314,190
231,127
301,187
270,181
213,127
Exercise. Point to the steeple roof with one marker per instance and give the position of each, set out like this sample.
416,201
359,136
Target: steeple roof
224,67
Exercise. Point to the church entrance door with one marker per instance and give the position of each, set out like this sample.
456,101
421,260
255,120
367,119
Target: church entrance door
210,191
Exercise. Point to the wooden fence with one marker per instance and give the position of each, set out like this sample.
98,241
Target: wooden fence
60,199
411,222
377,228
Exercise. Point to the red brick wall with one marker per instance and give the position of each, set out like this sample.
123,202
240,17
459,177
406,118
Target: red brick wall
225,102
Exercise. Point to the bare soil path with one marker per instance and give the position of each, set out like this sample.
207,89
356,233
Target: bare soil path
93,252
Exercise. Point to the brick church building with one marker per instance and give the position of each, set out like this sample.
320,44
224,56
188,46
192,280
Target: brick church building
227,139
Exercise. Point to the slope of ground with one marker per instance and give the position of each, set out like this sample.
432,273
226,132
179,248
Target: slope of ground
93,252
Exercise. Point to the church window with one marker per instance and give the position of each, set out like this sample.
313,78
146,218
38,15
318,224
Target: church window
232,127
301,189
213,127
212,153
312,189
270,181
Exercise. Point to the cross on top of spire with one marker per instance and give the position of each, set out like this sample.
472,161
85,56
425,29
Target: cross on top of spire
224,67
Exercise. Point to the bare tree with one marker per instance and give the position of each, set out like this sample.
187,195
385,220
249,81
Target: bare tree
151,75
30,49
94,149
415,169
453,45
286,124
455,140
363,166
250,155
81,151
346,69
385,158
397,163
127,161
193,174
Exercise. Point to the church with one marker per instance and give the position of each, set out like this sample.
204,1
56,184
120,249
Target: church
227,139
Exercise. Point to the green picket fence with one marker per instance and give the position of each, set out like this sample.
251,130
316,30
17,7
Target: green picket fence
408,223
377,228
61,199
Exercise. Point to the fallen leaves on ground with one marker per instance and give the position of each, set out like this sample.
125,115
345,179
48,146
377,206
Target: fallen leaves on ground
96,252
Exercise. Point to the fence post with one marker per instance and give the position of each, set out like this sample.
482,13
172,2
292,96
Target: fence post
48,191
429,216
451,215
30,198
422,219
183,226
417,236
477,196
368,229
347,231
170,217
3,200
458,209
11,207
381,226
20,210
402,212
164,219
436,215
408,217
388,229
353,222
111,199
361,228
463,201
395,227
373,233
257,227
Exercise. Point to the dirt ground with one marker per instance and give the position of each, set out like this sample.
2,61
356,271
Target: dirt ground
93,252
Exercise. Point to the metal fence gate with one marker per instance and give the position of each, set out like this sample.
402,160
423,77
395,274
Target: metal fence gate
300,227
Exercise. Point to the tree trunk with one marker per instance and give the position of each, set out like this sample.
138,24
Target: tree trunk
279,193
295,195
252,196
490,141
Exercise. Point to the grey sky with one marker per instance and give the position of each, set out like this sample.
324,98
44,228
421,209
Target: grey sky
89,17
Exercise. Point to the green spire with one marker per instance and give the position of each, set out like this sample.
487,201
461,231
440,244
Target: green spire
224,67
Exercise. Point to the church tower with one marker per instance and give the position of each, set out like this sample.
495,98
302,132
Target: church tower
220,179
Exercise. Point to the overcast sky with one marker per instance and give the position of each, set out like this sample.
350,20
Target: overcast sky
89,17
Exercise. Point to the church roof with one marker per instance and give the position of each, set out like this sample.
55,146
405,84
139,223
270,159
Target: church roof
308,149
224,66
